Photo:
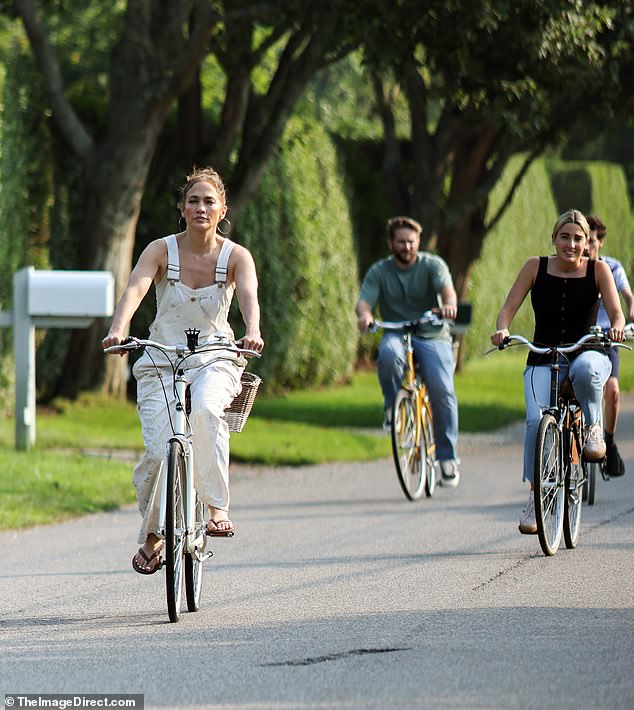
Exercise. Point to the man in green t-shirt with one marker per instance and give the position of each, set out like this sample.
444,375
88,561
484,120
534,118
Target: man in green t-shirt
404,286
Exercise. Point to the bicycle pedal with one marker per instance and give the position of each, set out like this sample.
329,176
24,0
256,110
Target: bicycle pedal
229,533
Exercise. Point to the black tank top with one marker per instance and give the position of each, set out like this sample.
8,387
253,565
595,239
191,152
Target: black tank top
564,309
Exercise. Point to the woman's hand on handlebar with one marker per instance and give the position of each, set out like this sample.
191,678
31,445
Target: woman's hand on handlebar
499,337
113,339
251,341
616,335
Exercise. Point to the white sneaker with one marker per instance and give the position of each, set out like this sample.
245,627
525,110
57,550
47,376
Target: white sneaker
387,421
594,447
528,526
449,474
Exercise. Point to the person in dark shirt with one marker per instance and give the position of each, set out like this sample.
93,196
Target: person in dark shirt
564,292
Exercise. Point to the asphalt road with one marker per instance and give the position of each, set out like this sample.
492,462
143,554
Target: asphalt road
338,593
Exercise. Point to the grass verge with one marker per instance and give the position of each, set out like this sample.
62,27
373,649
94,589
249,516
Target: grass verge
55,481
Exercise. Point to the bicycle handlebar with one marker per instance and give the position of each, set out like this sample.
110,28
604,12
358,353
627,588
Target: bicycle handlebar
428,318
181,349
599,338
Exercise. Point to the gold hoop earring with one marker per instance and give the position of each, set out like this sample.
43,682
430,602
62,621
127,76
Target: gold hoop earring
224,219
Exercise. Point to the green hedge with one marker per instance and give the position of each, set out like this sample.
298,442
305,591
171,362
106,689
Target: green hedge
26,182
298,229
523,231
606,195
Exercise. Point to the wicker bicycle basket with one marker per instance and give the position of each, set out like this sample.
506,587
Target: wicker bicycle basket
238,413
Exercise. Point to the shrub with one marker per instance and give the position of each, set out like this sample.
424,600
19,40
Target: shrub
298,229
523,231
606,196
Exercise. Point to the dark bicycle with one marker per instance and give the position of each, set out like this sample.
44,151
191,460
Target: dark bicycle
561,471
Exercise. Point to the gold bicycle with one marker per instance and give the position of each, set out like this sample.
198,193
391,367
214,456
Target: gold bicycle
412,425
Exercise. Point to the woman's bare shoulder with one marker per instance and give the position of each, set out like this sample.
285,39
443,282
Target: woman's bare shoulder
530,266
240,254
157,247
153,259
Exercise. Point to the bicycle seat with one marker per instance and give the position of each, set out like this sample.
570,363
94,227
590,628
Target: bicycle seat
566,388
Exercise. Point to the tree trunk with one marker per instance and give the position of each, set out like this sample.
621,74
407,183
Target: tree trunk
153,61
114,190
393,164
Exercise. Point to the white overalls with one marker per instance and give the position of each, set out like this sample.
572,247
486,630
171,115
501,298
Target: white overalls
213,386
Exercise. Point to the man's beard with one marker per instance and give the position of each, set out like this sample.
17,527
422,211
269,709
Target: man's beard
408,259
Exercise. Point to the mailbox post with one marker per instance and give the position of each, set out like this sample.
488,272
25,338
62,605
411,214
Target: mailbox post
49,299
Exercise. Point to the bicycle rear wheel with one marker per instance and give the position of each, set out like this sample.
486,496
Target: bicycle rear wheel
548,482
406,445
428,449
575,482
594,469
175,529
193,564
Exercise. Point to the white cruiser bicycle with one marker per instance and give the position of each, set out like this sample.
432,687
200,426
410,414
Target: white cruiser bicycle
183,516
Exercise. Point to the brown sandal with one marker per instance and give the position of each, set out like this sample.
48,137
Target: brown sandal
137,568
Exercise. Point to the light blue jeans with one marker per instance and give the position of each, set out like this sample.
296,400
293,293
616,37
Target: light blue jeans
436,362
588,373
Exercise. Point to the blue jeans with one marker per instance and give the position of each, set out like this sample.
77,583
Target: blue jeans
436,362
588,373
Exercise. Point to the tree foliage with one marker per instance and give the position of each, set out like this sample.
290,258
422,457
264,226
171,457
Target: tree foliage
485,80
155,50
132,93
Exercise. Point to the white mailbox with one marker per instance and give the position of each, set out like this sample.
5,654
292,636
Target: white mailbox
70,293
49,299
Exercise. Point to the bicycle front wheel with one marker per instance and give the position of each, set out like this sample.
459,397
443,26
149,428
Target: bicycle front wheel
428,446
406,445
175,529
193,563
548,482
574,493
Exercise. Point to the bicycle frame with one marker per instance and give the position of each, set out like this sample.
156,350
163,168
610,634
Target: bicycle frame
413,444
410,381
560,405
558,487
182,517
182,433
194,540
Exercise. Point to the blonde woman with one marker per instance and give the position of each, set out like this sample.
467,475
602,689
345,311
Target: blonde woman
565,290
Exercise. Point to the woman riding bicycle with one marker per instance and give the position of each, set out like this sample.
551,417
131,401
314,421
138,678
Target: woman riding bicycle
564,289
195,274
